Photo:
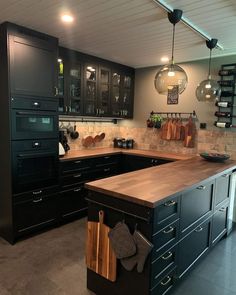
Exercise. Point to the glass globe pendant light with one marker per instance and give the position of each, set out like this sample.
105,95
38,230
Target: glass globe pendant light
209,90
171,75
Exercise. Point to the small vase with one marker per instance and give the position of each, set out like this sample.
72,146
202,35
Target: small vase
157,125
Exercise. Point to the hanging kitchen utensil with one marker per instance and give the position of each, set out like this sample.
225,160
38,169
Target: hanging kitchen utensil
164,129
169,129
87,141
190,132
74,134
100,256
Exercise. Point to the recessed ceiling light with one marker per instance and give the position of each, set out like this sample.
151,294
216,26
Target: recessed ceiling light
67,18
165,59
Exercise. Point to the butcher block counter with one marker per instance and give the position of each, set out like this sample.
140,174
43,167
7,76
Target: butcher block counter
89,153
149,186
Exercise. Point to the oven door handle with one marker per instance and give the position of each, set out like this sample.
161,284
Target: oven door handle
30,155
24,113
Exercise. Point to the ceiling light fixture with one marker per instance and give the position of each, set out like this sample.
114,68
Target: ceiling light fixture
171,75
67,18
165,59
209,90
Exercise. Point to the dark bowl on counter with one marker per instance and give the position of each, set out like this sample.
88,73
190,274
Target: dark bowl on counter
214,157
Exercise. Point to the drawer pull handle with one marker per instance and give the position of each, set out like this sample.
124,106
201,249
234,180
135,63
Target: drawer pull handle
77,162
197,230
201,187
222,210
77,189
168,256
37,193
106,169
169,204
169,230
107,157
38,200
77,175
225,175
168,279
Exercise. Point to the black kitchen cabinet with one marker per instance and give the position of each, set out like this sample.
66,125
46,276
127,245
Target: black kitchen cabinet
122,95
73,202
33,62
219,222
195,244
35,211
222,189
97,87
133,163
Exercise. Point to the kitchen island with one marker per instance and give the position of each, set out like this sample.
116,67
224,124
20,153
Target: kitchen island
180,207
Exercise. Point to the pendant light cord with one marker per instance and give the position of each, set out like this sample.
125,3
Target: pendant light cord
209,66
173,45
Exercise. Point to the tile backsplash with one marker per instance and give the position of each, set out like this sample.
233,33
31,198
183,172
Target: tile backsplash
146,138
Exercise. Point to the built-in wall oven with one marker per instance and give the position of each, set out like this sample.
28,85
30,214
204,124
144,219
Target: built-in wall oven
34,164
34,118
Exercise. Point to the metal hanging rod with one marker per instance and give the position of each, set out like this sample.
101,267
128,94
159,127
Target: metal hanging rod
187,22
118,210
88,120
174,113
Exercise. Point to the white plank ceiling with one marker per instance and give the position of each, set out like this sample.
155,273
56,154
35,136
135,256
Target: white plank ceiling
131,32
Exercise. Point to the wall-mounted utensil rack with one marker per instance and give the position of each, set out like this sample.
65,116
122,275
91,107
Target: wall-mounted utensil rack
182,115
88,119
225,115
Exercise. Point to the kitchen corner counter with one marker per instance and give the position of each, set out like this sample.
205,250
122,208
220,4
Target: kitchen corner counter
149,186
97,152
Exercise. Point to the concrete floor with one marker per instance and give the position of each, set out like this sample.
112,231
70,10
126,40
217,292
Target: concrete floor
52,263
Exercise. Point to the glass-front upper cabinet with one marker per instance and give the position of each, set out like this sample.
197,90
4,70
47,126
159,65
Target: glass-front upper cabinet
116,95
61,85
103,102
75,89
127,102
90,90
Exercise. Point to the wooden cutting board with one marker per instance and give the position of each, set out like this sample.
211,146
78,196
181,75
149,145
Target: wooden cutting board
100,256
190,133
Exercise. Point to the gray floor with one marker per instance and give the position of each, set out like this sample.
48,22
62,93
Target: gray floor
52,263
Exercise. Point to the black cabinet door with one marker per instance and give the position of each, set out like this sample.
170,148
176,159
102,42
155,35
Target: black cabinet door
219,223
103,101
193,246
36,212
222,188
196,205
73,203
33,66
90,89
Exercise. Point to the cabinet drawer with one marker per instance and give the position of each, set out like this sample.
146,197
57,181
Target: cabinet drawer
105,160
165,284
219,223
105,171
34,104
165,238
35,194
193,246
73,201
166,213
195,205
163,264
30,214
76,177
222,188
69,167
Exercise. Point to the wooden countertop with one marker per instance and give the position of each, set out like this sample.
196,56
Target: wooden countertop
89,153
151,185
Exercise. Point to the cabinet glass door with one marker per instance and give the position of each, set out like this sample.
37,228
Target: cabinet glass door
74,89
61,85
90,90
104,92
116,94
126,97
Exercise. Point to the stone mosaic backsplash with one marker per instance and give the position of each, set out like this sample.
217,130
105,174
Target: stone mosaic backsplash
150,138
